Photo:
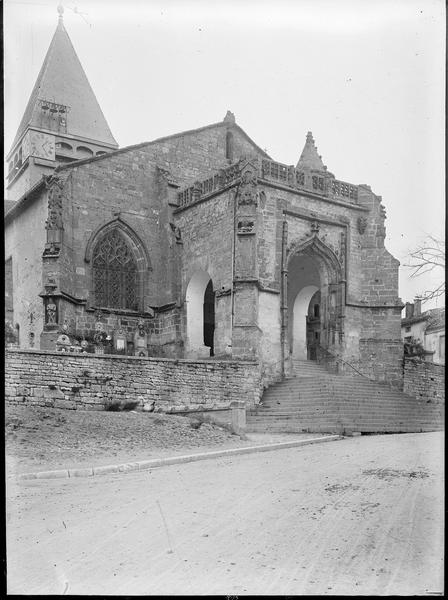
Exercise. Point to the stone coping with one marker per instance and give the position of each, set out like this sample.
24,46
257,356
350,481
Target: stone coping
85,355
144,465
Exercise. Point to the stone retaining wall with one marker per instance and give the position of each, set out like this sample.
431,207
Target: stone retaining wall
424,380
81,381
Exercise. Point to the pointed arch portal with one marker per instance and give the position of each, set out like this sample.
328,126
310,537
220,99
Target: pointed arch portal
314,298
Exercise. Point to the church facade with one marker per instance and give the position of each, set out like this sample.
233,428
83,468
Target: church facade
197,245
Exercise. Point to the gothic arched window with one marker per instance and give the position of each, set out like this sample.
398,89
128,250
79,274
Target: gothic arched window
115,273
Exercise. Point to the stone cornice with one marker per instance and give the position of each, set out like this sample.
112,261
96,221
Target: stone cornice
309,194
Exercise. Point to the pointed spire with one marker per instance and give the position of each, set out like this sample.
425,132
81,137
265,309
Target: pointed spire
309,158
62,80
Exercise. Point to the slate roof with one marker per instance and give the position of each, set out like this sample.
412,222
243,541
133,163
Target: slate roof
435,318
62,80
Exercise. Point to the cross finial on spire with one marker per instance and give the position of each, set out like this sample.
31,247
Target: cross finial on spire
60,12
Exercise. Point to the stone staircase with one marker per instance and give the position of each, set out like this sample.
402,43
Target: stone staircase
315,400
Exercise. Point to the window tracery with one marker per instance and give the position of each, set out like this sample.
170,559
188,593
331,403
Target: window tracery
115,273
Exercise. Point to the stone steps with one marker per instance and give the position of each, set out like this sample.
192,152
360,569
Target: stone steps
318,401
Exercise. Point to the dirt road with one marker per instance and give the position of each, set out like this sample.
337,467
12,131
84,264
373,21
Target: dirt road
357,516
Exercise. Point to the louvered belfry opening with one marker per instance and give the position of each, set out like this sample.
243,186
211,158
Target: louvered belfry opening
115,274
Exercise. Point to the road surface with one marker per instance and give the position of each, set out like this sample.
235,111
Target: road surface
358,516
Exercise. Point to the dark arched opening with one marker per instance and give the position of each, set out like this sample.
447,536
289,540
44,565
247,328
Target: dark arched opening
313,327
209,317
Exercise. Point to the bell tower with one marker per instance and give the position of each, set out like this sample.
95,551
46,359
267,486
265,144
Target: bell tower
62,122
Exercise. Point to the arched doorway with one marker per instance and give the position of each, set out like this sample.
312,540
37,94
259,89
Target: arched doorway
209,317
200,313
300,334
303,285
314,300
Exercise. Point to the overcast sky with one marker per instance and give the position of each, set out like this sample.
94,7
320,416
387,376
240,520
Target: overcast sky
367,77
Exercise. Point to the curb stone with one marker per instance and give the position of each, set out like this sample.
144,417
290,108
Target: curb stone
144,465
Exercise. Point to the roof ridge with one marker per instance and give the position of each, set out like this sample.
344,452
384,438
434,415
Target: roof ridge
160,139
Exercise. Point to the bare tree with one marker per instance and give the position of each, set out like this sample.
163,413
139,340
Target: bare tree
426,257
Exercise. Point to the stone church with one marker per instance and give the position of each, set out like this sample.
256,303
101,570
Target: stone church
195,245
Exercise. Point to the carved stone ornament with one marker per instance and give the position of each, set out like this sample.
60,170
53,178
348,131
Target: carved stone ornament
55,197
343,246
362,224
177,233
100,334
54,224
63,343
51,312
50,285
247,190
140,340
246,226
167,175
315,227
381,230
197,191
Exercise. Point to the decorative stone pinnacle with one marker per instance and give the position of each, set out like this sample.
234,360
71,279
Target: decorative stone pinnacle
309,158
229,118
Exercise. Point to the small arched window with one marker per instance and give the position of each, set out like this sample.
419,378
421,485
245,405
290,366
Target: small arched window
316,310
84,151
115,273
